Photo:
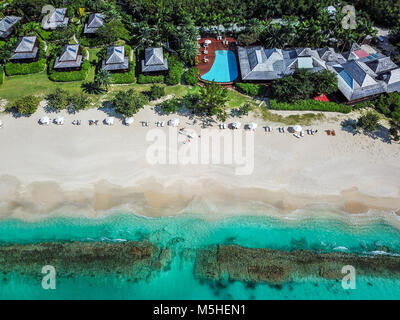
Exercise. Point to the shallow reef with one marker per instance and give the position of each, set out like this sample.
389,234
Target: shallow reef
136,260
277,267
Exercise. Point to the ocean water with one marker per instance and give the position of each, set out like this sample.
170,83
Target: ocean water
224,68
194,232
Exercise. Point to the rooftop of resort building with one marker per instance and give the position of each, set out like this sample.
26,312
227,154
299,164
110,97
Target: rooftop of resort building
116,59
154,60
70,57
259,63
27,48
96,20
7,24
56,19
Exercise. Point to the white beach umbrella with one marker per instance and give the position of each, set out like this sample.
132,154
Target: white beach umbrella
110,121
174,122
236,125
129,120
207,41
297,128
44,120
59,120
252,126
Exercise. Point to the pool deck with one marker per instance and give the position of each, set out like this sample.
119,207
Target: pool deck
215,45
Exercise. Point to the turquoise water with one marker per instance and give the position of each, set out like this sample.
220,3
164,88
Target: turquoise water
224,68
195,232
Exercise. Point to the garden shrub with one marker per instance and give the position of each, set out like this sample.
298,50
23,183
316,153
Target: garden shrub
310,105
191,76
251,89
25,68
175,70
143,79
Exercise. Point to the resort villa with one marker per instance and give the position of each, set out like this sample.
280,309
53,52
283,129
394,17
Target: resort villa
27,50
95,21
116,60
154,61
70,59
56,19
361,75
7,26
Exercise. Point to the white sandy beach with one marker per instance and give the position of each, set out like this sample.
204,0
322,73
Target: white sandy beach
97,168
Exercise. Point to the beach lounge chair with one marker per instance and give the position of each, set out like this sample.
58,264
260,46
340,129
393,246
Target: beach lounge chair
328,132
296,135
302,134
333,133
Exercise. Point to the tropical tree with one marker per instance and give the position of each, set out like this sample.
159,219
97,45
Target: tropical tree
26,105
128,102
103,78
368,122
213,99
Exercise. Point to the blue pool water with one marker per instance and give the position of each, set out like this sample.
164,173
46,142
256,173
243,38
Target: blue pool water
194,232
224,68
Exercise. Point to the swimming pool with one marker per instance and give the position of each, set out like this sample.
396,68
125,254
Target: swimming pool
224,68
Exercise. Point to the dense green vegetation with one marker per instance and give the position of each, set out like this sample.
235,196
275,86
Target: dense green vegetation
304,85
368,122
129,102
1,75
13,69
26,105
251,89
61,99
191,76
143,79
175,70
156,92
310,105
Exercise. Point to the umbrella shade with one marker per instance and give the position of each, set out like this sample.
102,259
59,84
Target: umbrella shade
207,41
297,128
110,120
252,125
44,120
174,122
129,120
59,120
236,125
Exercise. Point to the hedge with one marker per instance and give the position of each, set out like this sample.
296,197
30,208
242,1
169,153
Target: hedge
251,89
1,75
192,76
175,70
125,77
13,69
66,76
142,79
310,105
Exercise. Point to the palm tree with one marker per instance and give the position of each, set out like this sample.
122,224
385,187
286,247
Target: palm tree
103,78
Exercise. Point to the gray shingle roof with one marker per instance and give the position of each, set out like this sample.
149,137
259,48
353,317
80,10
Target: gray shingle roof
154,60
95,21
381,65
116,59
70,57
7,24
56,19
26,49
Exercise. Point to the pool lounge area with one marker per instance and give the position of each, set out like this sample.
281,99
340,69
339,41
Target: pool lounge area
217,61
